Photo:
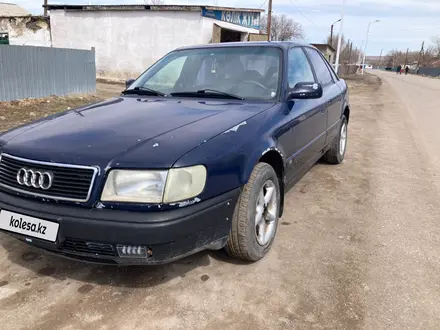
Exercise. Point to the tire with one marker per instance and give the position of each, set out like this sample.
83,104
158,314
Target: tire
247,240
335,155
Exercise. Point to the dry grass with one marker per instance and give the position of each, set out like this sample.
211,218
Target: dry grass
15,113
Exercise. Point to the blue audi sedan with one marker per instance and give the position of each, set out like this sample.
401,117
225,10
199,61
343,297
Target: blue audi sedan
196,153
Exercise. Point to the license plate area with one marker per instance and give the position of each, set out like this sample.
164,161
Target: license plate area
29,226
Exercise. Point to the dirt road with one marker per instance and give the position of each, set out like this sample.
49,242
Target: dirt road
358,246
106,90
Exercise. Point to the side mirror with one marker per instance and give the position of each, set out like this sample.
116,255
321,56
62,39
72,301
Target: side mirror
128,82
305,90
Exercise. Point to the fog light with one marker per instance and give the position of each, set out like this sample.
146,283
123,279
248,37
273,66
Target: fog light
133,251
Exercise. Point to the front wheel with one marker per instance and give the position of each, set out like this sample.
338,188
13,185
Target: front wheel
255,219
336,153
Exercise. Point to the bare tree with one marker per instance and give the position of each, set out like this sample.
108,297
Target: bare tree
347,55
154,2
428,56
282,28
435,47
334,41
395,58
398,57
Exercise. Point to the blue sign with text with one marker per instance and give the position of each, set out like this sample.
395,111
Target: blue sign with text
243,18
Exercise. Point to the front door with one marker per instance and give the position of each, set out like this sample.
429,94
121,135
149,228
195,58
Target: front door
306,135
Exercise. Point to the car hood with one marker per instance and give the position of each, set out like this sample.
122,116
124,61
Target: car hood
128,131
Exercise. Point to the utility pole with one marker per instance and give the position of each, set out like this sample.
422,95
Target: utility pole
45,7
269,19
366,44
349,52
331,35
331,32
341,27
420,56
380,57
360,53
406,58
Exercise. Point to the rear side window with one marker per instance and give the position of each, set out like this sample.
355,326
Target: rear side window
322,72
299,69
332,71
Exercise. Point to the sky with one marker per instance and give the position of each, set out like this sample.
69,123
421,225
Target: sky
403,23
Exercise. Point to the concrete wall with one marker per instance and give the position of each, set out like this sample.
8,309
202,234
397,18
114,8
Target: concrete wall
27,30
128,42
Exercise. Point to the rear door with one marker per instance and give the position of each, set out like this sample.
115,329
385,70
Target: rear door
332,93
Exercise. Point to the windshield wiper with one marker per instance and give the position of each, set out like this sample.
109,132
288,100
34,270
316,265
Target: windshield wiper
143,91
207,91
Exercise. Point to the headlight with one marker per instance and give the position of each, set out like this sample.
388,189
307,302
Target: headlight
184,183
134,186
154,187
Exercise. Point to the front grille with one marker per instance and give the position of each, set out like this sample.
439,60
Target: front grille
80,246
70,182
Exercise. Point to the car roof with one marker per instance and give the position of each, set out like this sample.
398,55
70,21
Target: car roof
279,44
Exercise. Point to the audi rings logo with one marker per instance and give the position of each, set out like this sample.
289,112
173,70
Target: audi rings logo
34,178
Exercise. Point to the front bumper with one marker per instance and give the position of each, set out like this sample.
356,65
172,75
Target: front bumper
92,234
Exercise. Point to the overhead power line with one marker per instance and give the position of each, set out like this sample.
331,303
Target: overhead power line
301,13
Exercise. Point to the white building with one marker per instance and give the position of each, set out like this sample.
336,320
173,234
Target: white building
25,31
18,27
130,38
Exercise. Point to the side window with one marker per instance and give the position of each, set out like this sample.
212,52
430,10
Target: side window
299,69
167,76
321,69
332,71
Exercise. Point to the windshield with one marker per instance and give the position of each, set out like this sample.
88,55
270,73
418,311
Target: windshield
245,72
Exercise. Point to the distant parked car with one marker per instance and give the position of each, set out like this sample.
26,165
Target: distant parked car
197,153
